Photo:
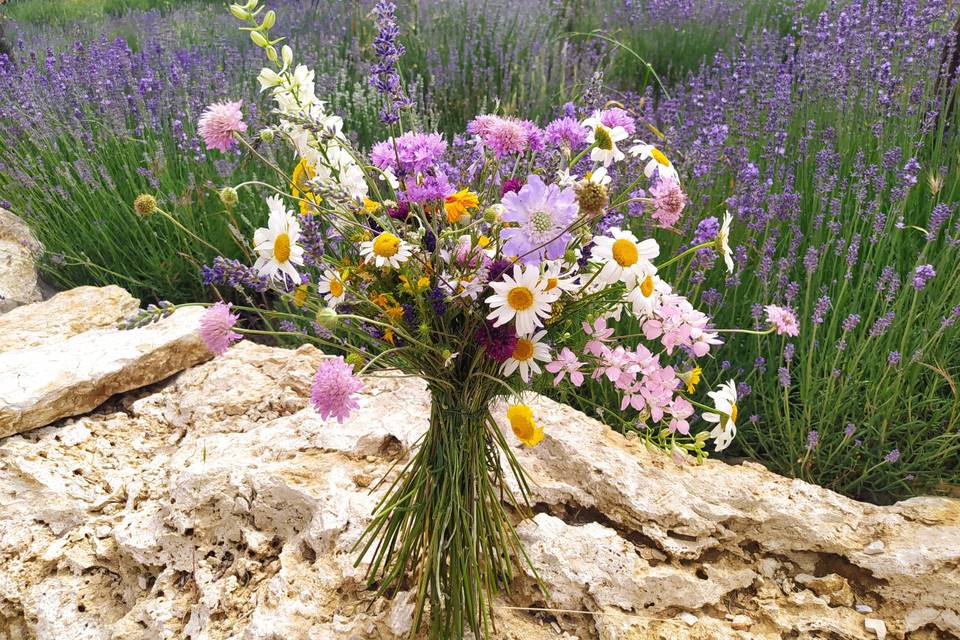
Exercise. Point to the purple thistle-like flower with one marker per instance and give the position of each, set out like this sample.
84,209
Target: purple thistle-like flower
565,132
617,117
813,439
893,456
542,214
498,342
498,268
668,201
216,328
511,185
921,275
218,124
334,386
410,153
783,320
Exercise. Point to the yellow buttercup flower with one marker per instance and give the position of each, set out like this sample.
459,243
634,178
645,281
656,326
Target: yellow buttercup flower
523,425
483,242
370,206
302,173
300,295
691,378
457,205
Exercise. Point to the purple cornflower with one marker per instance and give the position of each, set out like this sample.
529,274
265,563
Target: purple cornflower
334,386
384,76
216,328
813,439
921,274
543,214
566,131
823,304
893,358
850,323
498,342
893,456
410,153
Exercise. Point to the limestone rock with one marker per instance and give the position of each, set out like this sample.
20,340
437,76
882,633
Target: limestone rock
62,358
19,250
220,506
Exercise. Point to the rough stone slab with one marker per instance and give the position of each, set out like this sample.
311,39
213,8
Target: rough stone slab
51,378
221,507
19,250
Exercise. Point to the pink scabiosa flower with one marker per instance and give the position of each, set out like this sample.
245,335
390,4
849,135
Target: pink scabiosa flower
334,386
216,328
219,122
542,214
668,201
783,320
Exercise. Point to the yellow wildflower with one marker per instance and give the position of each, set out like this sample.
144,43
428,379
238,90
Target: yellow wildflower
523,425
302,173
457,205
300,295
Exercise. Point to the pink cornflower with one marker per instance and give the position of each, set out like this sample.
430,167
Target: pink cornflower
783,320
668,201
216,328
219,122
566,363
333,389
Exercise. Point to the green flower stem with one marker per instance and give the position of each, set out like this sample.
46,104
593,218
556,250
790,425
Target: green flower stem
685,254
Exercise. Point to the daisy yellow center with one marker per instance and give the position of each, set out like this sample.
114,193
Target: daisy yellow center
552,283
646,287
523,350
541,221
733,413
281,247
336,288
300,295
625,252
520,298
602,137
386,245
657,155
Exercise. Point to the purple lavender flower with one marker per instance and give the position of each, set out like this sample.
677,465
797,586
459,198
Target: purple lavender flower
384,76
813,439
820,310
881,324
921,275
850,323
849,430
543,214
893,456
938,217
233,273
783,376
707,230
893,358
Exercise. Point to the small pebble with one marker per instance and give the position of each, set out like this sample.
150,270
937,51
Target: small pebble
688,618
874,548
877,626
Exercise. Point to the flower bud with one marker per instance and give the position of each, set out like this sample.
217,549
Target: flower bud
259,39
229,197
272,55
492,214
269,20
569,256
327,318
267,135
355,358
239,12
145,205
268,77
287,54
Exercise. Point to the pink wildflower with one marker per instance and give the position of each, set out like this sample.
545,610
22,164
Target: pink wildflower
216,328
668,201
566,363
219,122
783,320
333,389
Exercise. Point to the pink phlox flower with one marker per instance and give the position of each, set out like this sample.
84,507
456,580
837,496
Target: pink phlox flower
566,363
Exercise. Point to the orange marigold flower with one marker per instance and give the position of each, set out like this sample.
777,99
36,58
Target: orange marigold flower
457,204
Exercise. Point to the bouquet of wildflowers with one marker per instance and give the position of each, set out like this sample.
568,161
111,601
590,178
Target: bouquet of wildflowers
483,267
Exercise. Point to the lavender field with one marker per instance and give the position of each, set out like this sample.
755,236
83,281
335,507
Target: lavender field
828,130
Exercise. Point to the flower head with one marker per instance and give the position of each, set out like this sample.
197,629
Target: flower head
657,161
410,153
605,140
624,258
566,363
386,250
723,241
334,386
145,205
725,402
218,124
542,214
277,244
668,201
783,320
526,352
457,204
216,328
566,132
498,342
331,287
522,297
523,425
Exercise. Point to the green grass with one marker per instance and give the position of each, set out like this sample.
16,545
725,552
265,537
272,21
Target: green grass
67,11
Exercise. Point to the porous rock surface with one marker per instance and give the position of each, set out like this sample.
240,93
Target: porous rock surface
64,357
19,249
219,505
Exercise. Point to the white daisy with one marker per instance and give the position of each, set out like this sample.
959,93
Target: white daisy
276,245
625,258
525,355
723,241
645,297
523,297
656,160
725,401
386,250
331,286
558,281
599,176
606,139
